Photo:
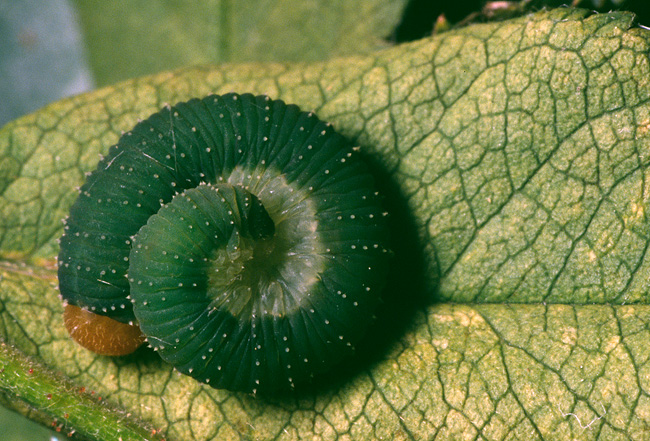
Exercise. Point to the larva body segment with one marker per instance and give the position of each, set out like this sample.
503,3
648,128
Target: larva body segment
253,239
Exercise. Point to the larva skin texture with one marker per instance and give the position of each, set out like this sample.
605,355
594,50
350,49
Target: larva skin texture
253,239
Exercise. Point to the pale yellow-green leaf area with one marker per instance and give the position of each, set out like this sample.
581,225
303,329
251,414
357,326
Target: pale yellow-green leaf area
513,158
515,151
495,372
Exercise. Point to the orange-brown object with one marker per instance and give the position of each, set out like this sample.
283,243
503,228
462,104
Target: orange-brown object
101,334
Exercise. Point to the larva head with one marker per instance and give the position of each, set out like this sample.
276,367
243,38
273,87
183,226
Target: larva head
101,334
252,235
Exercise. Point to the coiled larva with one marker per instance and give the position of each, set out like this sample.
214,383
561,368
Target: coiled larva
247,235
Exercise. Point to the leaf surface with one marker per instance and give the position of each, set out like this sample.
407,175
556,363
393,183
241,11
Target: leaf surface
514,159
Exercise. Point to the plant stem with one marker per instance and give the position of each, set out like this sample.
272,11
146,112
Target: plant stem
70,408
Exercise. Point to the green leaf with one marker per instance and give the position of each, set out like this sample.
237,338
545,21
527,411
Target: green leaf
514,156
130,38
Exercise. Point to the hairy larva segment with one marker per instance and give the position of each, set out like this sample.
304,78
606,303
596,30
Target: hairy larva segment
251,330
315,281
